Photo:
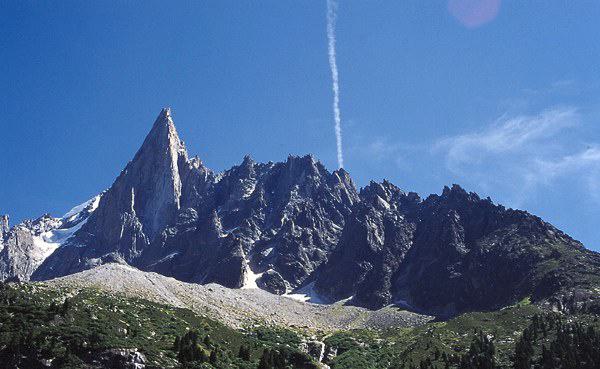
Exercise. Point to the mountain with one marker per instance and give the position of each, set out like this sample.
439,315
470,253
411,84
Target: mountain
24,247
453,253
295,227
170,214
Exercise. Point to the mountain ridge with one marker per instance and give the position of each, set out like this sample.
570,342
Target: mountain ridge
284,225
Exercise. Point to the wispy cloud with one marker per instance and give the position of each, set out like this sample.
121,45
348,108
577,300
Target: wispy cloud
518,154
506,135
584,165
382,150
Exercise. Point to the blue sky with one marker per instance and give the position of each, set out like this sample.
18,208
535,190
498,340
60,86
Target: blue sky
506,104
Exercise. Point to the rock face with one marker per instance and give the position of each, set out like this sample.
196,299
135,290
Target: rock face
314,348
375,241
4,226
141,202
451,253
283,226
121,359
273,282
28,244
170,214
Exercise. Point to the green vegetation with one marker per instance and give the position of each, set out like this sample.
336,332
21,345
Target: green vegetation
550,342
43,327
514,337
431,343
67,328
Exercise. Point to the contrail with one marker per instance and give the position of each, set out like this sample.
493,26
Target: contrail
335,85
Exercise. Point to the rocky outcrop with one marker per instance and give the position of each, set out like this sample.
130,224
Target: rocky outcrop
121,359
4,229
273,282
4,225
17,258
448,254
315,349
28,244
374,242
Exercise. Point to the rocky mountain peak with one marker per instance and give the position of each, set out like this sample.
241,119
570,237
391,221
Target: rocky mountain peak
306,164
4,225
384,190
344,177
195,162
458,194
386,195
144,199
151,183
247,167
163,137
248,161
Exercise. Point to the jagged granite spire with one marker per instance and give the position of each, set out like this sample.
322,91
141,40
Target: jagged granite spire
146,194
153,176
142,201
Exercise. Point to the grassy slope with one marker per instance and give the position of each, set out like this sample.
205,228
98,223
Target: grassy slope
399,348
106,321
111,321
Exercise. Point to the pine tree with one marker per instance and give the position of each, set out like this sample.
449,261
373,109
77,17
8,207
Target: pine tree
266,360
481,354
213,357
244,353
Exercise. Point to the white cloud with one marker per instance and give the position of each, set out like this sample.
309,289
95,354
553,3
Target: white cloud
585,159
584,165
506,136
382,149
517,155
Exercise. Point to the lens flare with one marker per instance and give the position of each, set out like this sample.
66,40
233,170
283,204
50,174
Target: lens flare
474,13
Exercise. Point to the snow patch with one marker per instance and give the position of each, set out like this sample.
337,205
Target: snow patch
43,247
250,278
383,203
47,242
230,230
91,203
218,177
306,294
48,235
